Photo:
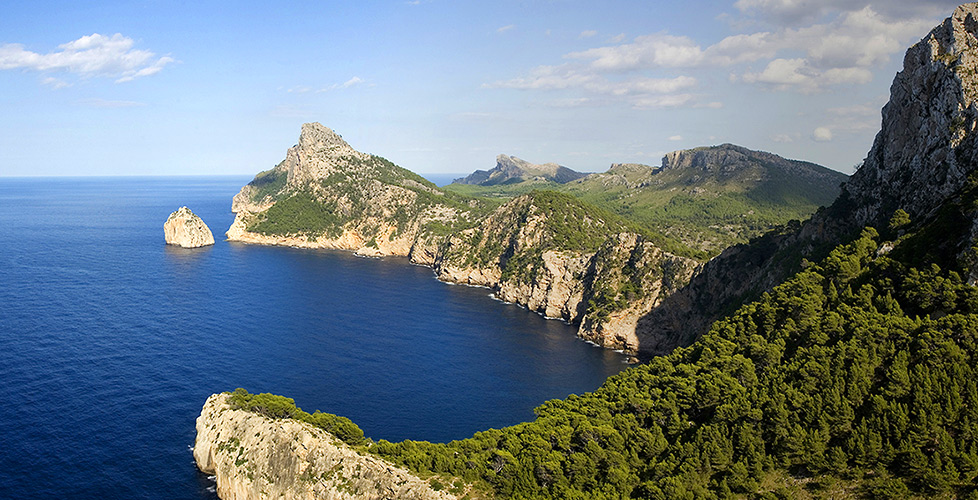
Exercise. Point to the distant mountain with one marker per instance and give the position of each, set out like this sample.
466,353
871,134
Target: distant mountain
548,251
511,170
708,198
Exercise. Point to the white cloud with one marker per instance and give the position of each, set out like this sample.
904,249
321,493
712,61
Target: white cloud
840,50
822,134
506,28
356,80
305,89
645,52
798,12
785,138
588,34
567,77
675,138
665,101
89,56
620,37
55,83
104,103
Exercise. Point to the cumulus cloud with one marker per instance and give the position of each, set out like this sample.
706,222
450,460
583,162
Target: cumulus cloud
90,56
796,12
588,34
841,50
646,51
566,76
782,45
664,101
822,134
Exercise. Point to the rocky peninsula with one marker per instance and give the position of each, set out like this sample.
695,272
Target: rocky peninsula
255,457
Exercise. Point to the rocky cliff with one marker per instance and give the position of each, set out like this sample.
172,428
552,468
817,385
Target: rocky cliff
510,169
567,260
254,457
185,229
921,160
325,194
537,250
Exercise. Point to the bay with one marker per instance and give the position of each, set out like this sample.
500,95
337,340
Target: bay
110,341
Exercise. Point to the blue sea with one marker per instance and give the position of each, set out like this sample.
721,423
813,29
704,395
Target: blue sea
110,341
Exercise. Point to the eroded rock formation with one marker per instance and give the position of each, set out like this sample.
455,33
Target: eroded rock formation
254,457
185,229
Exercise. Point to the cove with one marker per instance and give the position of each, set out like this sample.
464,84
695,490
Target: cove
110,341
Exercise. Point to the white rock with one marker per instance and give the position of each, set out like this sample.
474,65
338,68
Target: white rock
184,228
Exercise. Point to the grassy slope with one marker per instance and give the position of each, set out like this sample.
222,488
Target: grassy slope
727,211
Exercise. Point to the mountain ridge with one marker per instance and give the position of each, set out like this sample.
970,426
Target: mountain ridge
510,169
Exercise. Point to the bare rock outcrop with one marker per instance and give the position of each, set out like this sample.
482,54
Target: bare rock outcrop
185,229
254,457
920,161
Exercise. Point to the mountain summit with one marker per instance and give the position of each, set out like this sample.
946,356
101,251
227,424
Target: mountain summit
922,163
510,170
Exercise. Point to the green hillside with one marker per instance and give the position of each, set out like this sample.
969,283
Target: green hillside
856,378
709,199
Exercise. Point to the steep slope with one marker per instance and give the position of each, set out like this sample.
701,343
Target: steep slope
920,161
546,251
708,198
566,259
255,456
713,197
511,170
854,379
325,194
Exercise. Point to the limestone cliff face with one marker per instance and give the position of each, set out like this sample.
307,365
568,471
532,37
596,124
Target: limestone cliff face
185,229
527,252
255,458
366,204
627,277
926,146
538,250
920,162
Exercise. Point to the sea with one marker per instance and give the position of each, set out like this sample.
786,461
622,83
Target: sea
111,341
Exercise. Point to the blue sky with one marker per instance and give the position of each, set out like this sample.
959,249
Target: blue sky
436,86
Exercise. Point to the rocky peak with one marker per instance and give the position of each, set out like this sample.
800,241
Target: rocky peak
315,137
185,229
320,152
510,169
925,149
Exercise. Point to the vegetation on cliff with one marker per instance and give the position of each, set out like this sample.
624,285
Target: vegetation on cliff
274,406
856,376
348,195
708,198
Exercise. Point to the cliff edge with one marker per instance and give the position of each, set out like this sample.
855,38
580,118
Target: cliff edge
254,457
924,156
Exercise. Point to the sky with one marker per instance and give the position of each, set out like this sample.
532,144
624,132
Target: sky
443,86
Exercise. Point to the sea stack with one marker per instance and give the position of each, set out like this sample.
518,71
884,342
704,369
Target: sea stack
185,229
